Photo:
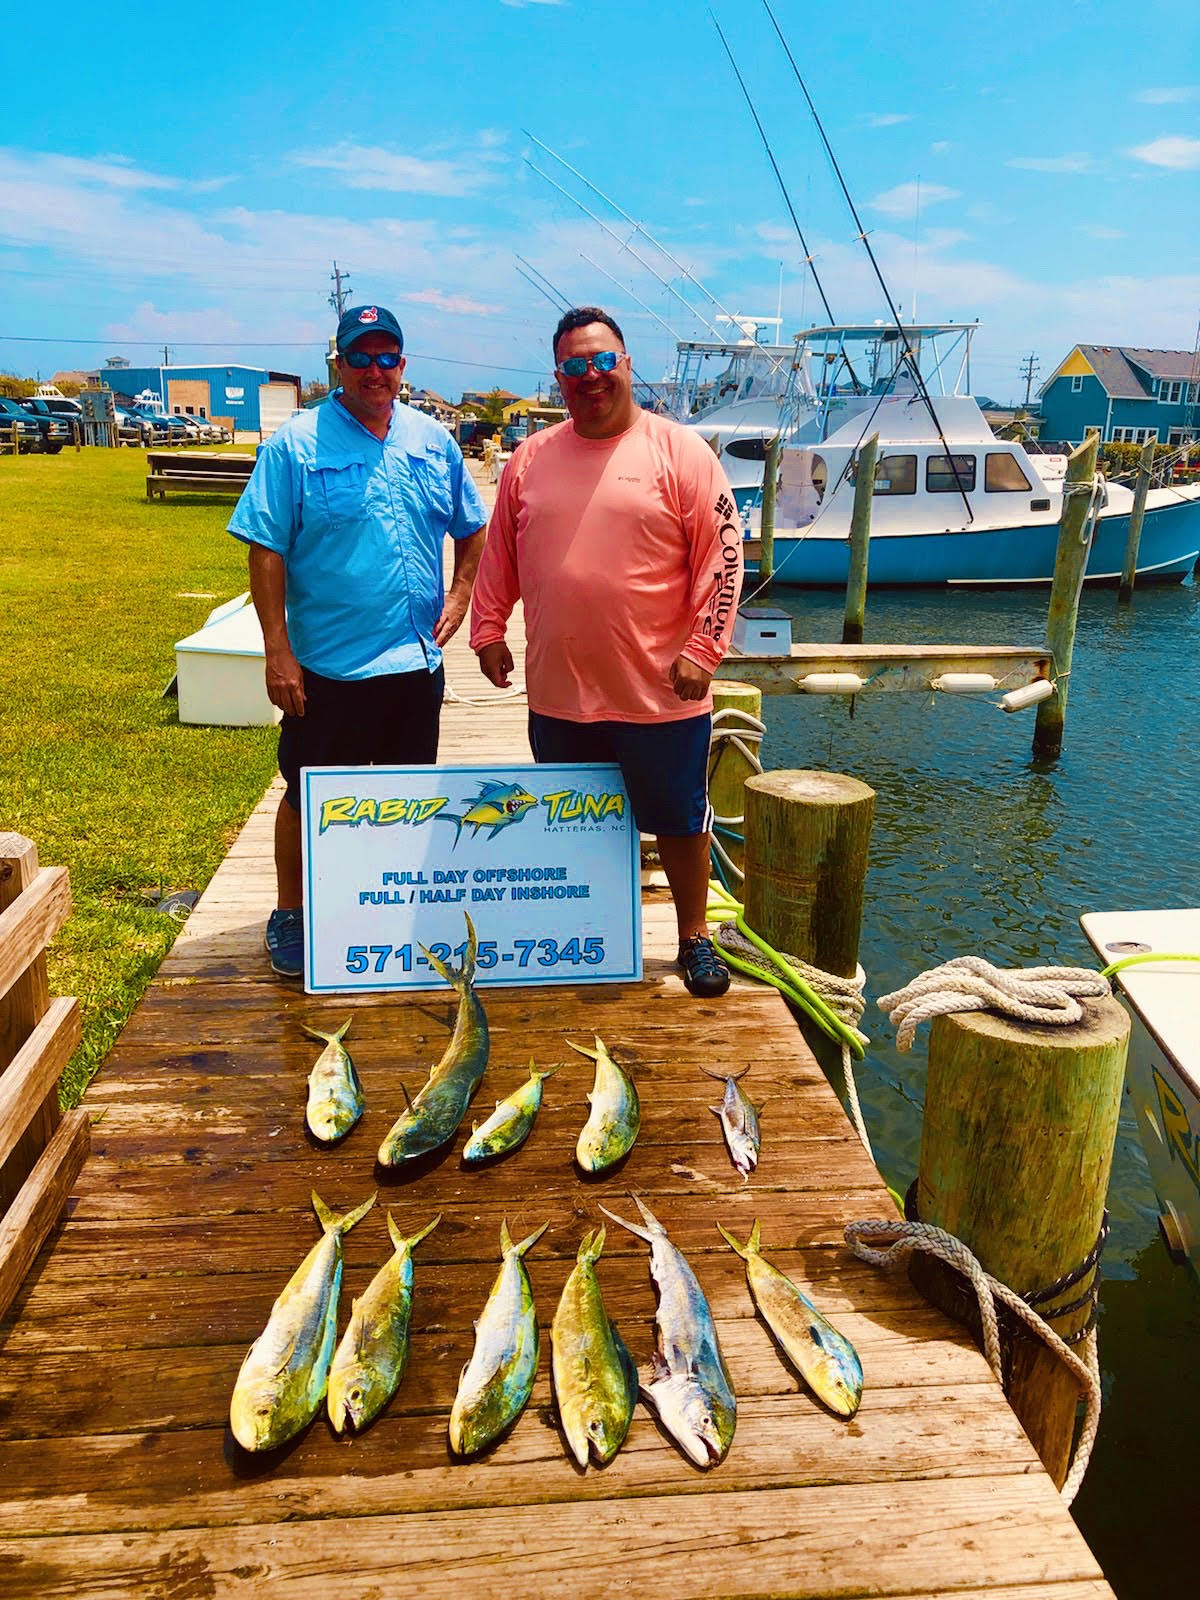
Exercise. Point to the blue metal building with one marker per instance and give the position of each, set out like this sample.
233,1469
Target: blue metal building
250,399
1127,393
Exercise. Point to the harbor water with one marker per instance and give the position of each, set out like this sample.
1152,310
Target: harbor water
979,848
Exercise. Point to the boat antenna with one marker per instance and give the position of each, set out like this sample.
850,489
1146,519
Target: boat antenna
909,356
624,244
634,224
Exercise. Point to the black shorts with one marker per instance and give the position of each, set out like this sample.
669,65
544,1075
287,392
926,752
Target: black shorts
664,765
387,721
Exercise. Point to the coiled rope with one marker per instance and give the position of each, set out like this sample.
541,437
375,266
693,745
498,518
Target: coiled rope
909,1237
969,983
744,732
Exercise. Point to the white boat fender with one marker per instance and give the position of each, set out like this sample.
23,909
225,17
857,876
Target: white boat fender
964,683
832,683
1027,695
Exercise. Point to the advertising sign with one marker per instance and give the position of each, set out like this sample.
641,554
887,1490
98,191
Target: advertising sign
544,860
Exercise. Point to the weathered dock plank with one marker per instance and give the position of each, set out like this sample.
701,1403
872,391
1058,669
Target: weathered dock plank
118,1476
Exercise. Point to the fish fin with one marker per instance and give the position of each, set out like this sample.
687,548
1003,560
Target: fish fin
329,1038
591,1245
467,971
496,828
288,1353
448,816
658,1368
628,1364
758,1108
542,1072
348,1219
648,1216
584,1051
407,1097
755,1238
447,974
528,1243
716,1110
325,1216
401,1242
641,1233
506,1243
744,1250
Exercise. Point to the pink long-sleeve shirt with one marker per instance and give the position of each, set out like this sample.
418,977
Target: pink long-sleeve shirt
627,553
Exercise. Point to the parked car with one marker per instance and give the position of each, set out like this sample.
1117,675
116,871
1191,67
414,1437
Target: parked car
156,425
29,435
53,432
135,430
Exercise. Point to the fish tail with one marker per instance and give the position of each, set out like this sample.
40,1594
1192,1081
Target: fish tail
330,1220
467,971
526,1244
458,978
448,816
750,1248
724,1077
642,1233
591,1245
329,1038
542,1073
401,1242
584,1051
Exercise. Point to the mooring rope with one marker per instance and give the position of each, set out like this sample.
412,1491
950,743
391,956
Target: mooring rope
909,1237
969,983
744,732
514,692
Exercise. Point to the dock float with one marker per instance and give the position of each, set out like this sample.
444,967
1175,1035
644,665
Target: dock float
118,1475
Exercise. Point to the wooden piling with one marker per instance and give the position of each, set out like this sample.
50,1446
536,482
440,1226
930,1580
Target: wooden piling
1070,564
1140,491
766,530
807,841
728,767
1016,1151
860,542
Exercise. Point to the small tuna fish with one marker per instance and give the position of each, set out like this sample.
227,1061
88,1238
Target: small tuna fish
691,1388
370,1360
498,1380
615,1117
595,1379
824,1358
282,1379
335,1094
433,1118
739,1120
511,1122
497,806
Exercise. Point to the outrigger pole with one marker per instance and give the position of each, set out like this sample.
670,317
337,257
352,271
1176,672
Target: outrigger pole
862,234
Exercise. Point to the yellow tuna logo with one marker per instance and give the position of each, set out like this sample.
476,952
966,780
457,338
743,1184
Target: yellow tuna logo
575,805
497,806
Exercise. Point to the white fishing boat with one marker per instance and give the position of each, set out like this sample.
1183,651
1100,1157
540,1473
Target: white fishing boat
1164,1054
952,504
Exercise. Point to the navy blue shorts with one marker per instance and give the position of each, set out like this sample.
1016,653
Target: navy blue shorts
664,765
391,720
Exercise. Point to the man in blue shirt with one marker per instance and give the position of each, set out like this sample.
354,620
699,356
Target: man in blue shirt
345,516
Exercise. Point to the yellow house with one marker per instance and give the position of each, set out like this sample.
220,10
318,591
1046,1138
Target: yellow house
534,412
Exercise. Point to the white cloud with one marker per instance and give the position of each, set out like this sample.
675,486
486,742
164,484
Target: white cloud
940,146
373,167
1070,163
1098,231
1181,155
1168,97
521,4
887,119
903,200
458,305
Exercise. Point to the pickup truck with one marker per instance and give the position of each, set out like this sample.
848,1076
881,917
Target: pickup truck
53,431
29,435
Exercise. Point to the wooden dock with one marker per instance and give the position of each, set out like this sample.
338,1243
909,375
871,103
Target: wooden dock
118,1475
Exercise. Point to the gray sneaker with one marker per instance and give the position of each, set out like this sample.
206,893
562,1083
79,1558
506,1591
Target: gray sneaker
285,942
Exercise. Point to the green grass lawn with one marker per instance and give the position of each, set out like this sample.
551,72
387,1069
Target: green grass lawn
96,585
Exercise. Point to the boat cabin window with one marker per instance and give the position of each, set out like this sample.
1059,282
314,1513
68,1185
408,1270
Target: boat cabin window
747,449
1002,474
949,474
820,477
896,475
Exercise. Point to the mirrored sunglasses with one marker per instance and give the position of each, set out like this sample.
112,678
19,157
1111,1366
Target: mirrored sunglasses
576,366
385,360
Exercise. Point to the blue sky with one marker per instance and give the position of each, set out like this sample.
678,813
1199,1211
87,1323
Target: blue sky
191,180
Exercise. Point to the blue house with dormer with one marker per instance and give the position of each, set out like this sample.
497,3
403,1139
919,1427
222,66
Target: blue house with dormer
1126,393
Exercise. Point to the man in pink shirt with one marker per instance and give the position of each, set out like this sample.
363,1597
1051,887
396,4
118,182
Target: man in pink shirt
617,530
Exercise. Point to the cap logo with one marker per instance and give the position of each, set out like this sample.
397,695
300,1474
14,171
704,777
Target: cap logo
368,314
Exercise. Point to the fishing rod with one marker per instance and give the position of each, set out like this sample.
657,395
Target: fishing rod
624,244
626,290
914,367
635,225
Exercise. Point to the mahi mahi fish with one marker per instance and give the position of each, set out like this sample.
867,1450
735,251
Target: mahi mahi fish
690,1388
335,1094
498,1380
595,1379
497,806
616,1113
739,1120
510,1124
433,1118
282,1380
370,1360
824,1358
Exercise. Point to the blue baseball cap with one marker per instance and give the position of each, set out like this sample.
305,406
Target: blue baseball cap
367,319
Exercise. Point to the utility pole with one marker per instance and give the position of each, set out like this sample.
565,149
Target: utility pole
1029,370
340,295
166,355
